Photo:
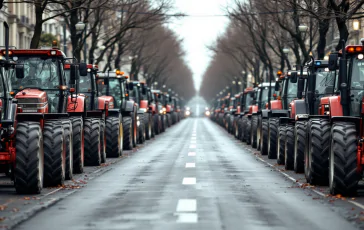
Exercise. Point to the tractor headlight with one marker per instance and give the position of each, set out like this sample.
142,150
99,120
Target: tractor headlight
138,123
137,118
207,113
144,110
188,113
164,109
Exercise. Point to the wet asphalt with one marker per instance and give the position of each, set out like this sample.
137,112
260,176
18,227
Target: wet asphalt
194,176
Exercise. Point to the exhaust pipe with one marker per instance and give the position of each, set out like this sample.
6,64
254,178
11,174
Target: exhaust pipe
6,26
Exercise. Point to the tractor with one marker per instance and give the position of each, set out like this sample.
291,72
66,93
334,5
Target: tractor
265,92
248,102
114,84
147,106
160,121
176,110
40,89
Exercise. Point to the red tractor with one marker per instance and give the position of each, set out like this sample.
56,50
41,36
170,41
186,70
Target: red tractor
160,120
176,110
113,84
41,92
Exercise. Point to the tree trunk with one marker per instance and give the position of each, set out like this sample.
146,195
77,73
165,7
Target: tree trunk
343,30
75,38
1,4
323,29
38,25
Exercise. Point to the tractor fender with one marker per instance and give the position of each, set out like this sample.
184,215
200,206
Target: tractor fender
254,109
168,109
292,107
152,108
285,120
103,100
335,106
355,120
76,104
144,104
114,112
323,101
129,106
279,113
276,105
238,110
265,113
300,107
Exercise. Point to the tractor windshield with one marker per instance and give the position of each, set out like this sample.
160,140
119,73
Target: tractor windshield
115,89
43,73
264,95
85,83
248,100
325,81
356,85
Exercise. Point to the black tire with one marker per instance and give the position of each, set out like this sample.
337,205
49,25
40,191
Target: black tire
273,138
300,142
281,145
317,163
135,129
128,133
343,174
240,126
156,124
148,126
54,153
152,125
259,133
248,131
102,141
265,140
68,138
78,144
289,149
29,160
141,129
244,122
254,130
114,137
92,142
169,120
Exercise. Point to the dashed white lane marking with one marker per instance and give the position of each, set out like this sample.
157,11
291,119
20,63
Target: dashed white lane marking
187,218
192,146
193,138
193,134
192,154
193,142
189,180
190,165
186,205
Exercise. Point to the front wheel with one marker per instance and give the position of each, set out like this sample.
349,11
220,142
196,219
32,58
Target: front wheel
68,137
289,149
248,131
114,137
265,140
78,144
273,138
299,152
92,142
343,174
254,131
127,133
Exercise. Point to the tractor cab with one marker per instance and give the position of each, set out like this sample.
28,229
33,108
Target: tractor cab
265,93
42,87
248,99
113,85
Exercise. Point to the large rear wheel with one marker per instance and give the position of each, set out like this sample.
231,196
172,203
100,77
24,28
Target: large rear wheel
92,142
29,161
156,124
148,126
281,145
78,144
54,153
102,141
265,140
300,142
244,122
128,133
114,137
135,129
289,149
273,138
317,159
68,138
254,131
343,174
141,129
248,131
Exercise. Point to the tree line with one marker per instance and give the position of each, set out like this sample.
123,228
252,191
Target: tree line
123,28
262,34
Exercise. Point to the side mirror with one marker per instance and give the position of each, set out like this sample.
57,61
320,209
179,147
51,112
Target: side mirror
19,71
293,77
83,69
276,87
333,62
73,74
300,87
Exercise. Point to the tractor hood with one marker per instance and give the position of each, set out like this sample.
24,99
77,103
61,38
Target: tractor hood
32,93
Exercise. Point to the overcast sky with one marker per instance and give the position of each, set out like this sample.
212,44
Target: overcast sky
198,31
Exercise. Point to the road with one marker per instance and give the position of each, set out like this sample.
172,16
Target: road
194,176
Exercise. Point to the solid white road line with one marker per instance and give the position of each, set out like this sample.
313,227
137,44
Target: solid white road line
192,154
186,205
187,218
189,180
190,165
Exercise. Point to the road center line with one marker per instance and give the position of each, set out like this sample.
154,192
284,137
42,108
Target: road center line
190,165
187,218
189,180
192,154
192,146
186,205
